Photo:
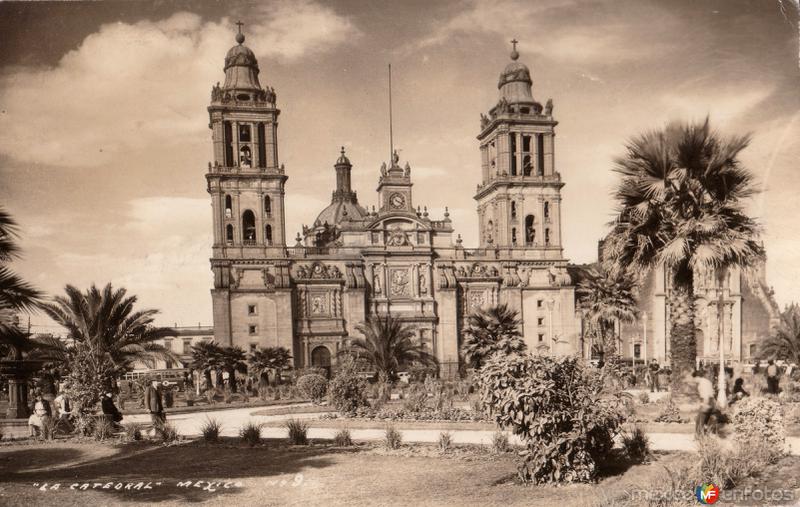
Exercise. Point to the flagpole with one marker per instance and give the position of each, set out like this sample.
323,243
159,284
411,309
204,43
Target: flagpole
391,136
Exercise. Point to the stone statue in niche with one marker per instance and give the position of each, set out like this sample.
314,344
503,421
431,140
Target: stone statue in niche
376,281
423,283
548,107
530,235
317,305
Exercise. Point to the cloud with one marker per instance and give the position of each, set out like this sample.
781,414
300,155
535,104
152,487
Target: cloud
129,87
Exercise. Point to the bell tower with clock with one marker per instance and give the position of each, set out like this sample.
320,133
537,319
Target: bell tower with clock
394,187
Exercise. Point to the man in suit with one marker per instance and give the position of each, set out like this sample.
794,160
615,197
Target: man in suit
152,402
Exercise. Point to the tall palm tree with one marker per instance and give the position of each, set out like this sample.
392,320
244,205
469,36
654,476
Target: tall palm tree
108,337
784,342
495,329
234,359
15,293
680,206
388,345
607,297
264,360
207,357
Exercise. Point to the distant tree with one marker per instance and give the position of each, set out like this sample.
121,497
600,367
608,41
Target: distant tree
680,207
207,357
784,342
607,297
495,329
107,337
264,360
387,345
234,359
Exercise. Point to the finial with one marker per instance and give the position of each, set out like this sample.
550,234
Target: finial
240,35
425,212
447,213
514,53
342,151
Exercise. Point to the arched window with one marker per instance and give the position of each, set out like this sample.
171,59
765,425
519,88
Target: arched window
547,237
249,227
245,157
513,210
229,234
530,230
489,231
547,211
514,236
268,234
267,205
227,135
228,206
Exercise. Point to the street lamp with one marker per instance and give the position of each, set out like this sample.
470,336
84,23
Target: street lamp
644,333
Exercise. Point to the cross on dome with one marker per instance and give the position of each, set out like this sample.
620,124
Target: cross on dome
240,35
514,53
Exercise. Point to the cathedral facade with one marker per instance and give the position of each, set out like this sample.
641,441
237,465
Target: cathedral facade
394,259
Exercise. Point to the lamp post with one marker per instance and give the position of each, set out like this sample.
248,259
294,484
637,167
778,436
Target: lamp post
722,398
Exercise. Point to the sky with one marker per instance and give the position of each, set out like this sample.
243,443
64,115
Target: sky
104,139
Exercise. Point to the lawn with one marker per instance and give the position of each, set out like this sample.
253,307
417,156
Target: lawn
277,474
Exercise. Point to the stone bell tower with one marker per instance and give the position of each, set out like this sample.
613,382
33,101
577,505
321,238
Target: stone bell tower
519,197
246,184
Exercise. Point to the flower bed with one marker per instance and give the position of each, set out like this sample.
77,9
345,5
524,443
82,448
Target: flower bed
402,414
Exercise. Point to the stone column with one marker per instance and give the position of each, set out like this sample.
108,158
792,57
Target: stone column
17,398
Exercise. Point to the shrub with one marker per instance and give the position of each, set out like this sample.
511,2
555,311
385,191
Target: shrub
166,433
445,441
103,429
644,398
84,424
636,445
347,391
133,431
250,433
563,411
415,401
313,387
393,438
277,395
298,431
670,414
760,420
211,429
342,438
500,442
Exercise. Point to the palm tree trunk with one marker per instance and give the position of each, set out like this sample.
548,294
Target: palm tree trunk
683,348
209,382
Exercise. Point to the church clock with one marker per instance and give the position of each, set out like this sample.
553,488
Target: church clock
397,201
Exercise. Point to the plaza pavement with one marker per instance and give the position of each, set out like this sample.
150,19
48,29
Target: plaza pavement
189,424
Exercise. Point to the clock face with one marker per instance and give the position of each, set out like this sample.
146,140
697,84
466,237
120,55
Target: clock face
397,200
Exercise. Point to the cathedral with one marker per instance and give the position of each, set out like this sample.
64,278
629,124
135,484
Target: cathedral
393,257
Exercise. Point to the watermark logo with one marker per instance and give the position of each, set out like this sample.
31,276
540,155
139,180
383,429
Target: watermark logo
707,494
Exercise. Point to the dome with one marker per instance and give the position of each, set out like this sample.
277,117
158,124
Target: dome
343,160
241,68
515,82
336,211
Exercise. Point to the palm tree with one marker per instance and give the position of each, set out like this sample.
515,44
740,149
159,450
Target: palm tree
207,357
680,206
496,329
388,345
784,343
234,359
15,293
108,337
607,297
269,359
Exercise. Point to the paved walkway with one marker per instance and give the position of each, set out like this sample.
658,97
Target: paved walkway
233,419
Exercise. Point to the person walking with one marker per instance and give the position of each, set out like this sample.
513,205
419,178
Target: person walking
705,389
772,377
154,405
